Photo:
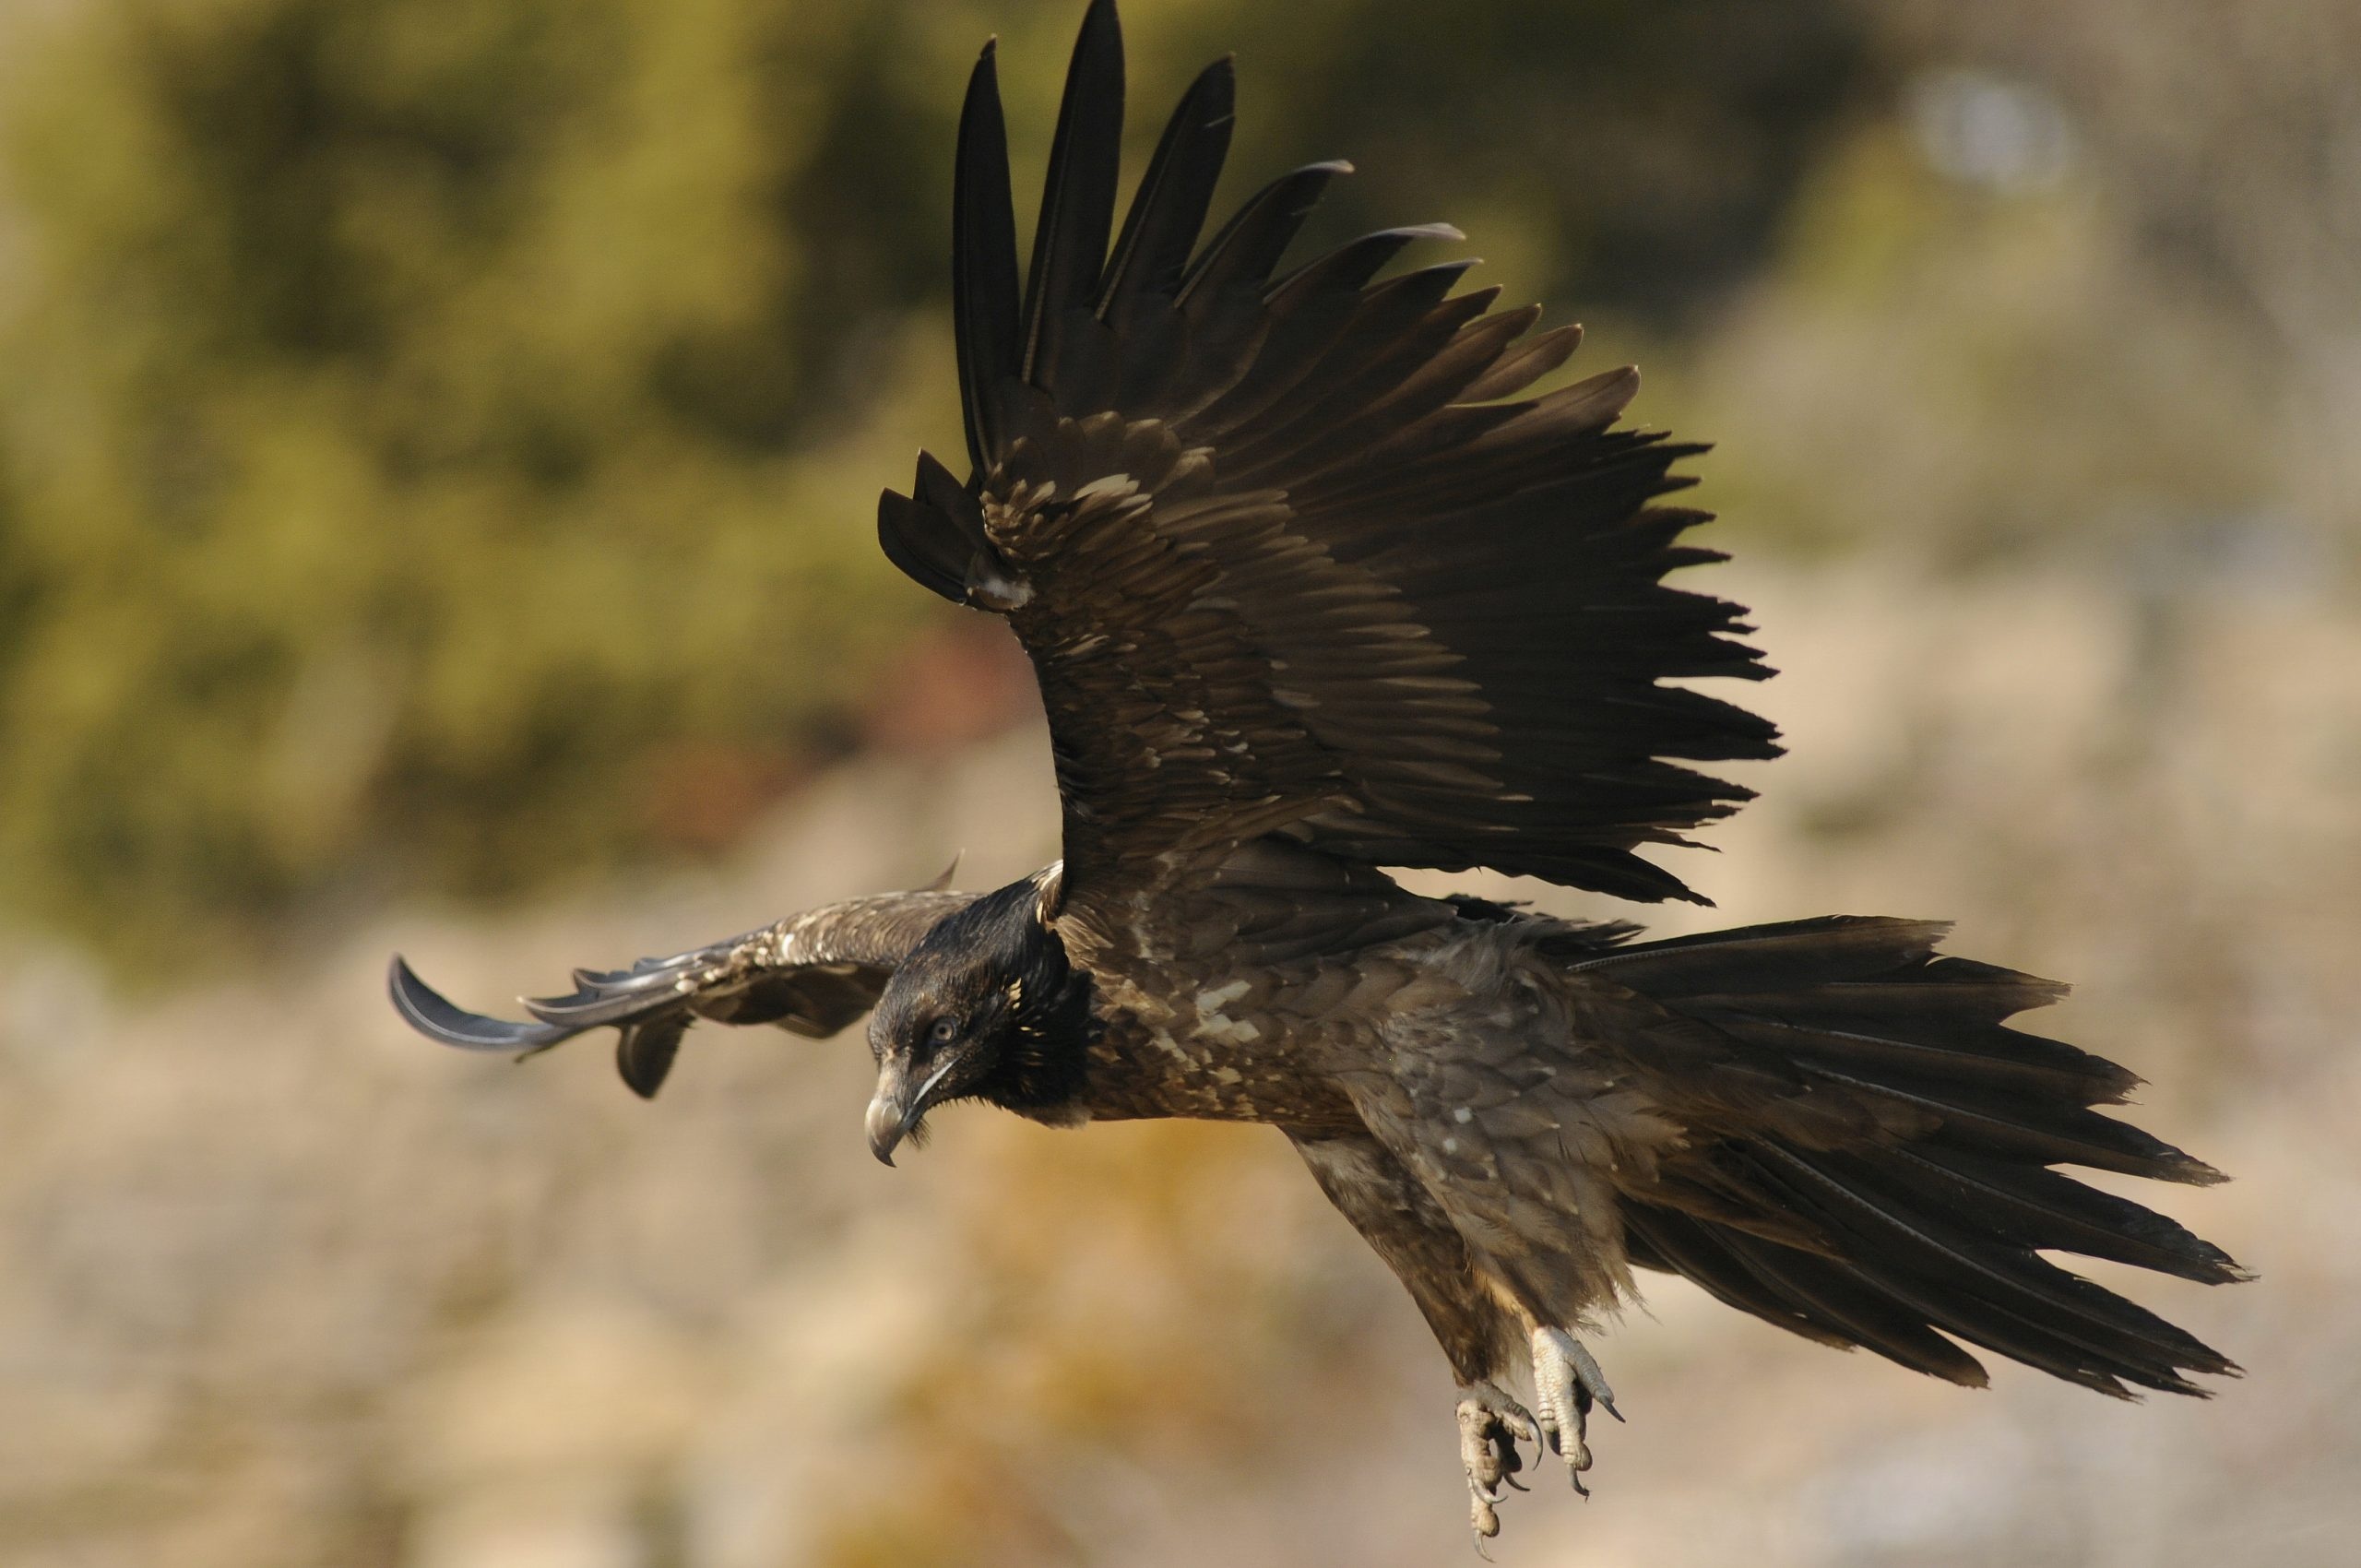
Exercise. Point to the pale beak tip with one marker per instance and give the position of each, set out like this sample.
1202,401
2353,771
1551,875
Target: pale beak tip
884,1128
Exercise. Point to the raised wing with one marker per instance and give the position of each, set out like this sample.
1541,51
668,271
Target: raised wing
811,973
1285,559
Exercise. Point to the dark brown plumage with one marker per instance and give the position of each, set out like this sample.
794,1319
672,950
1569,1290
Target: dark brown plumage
1314,588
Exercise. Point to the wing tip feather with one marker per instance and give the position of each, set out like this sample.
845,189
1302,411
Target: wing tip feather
439,1019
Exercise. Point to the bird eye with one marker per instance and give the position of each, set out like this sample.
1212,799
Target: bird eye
942,1031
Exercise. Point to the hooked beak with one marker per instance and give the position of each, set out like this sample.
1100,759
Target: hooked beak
897,1106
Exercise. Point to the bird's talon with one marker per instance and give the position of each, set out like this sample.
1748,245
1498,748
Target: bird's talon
1489,1425
1567,1382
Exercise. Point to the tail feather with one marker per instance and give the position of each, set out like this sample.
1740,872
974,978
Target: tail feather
1800,1293
1877,1319
2031,1129
1673,1242
1946,1265
1935,1225
1931,1058
1773,957
2035,1207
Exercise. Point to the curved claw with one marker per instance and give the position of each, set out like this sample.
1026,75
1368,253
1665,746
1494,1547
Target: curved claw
428,1012
1490,1426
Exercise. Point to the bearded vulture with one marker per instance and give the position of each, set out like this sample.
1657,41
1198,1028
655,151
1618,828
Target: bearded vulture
1315,588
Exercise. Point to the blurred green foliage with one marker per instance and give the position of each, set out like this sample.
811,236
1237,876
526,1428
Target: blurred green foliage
438,438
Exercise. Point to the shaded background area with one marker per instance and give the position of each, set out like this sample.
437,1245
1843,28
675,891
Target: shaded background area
438,448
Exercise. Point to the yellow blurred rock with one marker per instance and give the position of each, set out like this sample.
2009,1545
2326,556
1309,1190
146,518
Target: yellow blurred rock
570,1387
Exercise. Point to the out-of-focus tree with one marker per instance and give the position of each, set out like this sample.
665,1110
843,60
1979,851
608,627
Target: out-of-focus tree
438,438
2090,283
2229,144
441,426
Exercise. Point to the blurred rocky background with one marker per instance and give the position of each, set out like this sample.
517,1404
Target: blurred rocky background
438,447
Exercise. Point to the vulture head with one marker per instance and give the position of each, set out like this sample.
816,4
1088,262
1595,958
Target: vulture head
985,1008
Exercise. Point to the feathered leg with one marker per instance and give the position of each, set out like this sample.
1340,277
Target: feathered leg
1400,1219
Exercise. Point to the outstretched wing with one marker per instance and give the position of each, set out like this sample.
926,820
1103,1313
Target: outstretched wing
1284,558
811,973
